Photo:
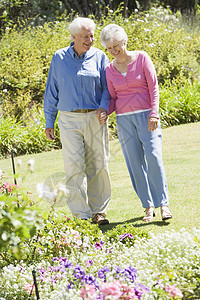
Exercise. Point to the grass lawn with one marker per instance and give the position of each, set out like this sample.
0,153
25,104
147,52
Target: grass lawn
181,155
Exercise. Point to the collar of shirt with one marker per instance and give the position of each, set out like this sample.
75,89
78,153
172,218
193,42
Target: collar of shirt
74,54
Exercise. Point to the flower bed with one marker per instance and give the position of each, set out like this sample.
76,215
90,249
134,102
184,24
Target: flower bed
73,259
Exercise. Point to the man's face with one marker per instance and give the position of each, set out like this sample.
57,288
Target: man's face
83,40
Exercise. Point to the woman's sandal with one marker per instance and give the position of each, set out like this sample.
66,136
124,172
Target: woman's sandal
165,213
149,214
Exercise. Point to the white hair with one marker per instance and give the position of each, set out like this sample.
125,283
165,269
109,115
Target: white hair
79,23
113,32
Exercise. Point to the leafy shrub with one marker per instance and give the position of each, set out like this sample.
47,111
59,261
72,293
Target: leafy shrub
25,139
25,59
180,105
26,54
18,221
126,234
174,51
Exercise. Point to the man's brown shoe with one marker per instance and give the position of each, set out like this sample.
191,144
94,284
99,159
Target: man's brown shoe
99,219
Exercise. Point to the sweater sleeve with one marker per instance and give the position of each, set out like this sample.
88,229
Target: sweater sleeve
105,100
111,90
152,83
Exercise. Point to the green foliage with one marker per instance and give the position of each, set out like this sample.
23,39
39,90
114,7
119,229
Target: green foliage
25,139
18,221
180,105
175,53
112,126
26,53
24,235
38,12
119,233
25,59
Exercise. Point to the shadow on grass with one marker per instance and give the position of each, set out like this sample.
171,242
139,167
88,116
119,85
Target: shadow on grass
137,220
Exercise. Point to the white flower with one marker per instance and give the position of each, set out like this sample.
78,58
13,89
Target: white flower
31,163
1,174
62,189
44,191
19,162
39,189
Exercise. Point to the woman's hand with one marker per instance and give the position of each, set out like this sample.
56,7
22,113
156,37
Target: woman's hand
102,115
152,123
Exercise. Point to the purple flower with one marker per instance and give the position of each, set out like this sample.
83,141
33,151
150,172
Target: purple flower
159,282
125,235
130,273
89,263
56,269
42,271
68,264
79,272
139,289
65,264
91,280
54,258
70,285
138,292
98,245
102,271
108,250
117,270
143,288
61,259
53,280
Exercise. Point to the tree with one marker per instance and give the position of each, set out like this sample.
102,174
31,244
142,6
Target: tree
37,12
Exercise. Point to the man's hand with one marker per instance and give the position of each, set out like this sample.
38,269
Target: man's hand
152,123
50,133
102,116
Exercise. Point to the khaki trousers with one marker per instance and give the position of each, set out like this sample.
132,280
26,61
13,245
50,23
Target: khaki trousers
85,147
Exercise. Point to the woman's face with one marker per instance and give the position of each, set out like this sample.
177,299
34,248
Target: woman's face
116,48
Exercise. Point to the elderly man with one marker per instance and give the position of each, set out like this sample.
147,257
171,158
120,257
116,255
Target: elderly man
76,86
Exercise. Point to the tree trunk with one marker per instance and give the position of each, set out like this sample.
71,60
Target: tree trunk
125,13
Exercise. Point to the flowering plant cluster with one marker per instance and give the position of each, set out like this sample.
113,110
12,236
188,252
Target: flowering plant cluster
73,259
113,290
6,188
163,267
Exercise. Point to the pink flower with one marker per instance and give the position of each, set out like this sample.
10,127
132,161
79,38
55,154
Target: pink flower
111,289
88,292
6,185
128,292
29,287
173,291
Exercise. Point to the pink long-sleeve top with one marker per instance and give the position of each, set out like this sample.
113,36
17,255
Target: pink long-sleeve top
137,91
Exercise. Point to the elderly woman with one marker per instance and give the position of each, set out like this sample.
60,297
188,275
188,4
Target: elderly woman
132,83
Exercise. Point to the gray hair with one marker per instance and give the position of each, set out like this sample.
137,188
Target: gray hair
78,23
113,32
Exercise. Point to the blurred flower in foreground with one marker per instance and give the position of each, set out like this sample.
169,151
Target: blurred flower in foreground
173,291
31,163
1,174
89,292
7,188
48,193
19,162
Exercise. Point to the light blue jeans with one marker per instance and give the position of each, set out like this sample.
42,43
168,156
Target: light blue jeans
142,150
